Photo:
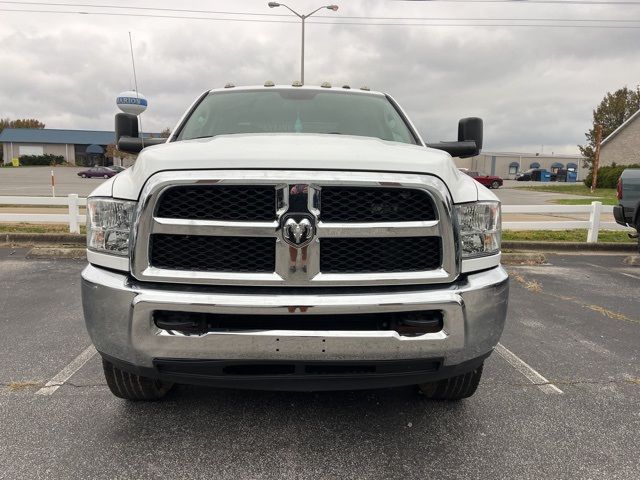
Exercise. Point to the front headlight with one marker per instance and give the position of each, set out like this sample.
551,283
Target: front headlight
480,228
109,225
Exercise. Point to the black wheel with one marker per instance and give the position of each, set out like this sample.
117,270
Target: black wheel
83,176
131,386
495,184
454,388
638,228
106,176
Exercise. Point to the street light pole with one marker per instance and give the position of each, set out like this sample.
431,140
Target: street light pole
302,18
302,54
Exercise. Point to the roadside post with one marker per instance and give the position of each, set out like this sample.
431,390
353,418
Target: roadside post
594,222
74,226
53,184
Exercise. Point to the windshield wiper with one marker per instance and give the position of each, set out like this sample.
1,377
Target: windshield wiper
203,136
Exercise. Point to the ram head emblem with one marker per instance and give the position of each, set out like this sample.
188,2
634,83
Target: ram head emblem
297,233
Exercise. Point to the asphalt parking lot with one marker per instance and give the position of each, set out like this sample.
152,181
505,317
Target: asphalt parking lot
574,322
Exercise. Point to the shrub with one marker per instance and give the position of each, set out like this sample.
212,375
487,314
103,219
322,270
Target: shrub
47,159
608,176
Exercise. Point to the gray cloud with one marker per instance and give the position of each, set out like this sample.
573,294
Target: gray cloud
532,86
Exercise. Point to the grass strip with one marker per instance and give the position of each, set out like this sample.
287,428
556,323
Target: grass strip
572,189
586,201
579,235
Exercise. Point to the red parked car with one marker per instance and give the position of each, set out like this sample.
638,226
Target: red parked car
489,181
103,172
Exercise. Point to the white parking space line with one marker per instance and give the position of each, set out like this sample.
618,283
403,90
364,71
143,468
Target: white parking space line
67,372
525,369
615,271
629,275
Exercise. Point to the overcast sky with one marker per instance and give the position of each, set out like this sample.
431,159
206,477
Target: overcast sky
533,86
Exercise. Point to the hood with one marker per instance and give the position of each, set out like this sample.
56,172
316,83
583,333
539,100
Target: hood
293,152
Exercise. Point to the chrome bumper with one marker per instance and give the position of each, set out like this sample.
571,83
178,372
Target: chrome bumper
118,314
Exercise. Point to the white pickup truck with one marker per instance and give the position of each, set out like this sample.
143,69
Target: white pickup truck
294,238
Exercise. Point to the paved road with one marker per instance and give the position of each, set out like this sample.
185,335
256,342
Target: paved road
575,321
36,181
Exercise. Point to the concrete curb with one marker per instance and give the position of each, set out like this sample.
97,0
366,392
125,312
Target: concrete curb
78,240
29,239
569,246
57,252
524,258
517,258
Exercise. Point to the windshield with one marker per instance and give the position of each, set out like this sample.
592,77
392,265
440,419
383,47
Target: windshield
296,111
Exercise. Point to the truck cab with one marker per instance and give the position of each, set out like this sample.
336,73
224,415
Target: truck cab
294,238
627,212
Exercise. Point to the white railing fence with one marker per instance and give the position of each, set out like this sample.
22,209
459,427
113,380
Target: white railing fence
72,202
593,225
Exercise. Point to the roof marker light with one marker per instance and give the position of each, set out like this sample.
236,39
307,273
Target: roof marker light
346,87
325,85
365,88
229,85
269,83
296,83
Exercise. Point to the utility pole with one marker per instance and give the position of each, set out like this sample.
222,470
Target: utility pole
596,158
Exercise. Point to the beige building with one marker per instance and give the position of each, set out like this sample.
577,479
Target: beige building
623,145
78,147
508,164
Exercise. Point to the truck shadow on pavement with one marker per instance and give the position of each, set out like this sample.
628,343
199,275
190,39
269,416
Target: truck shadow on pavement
348,434
257,412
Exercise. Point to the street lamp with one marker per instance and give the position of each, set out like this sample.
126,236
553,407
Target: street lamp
303,18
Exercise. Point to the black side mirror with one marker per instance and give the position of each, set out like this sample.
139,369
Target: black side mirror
128,136
126,126
469,142
470,129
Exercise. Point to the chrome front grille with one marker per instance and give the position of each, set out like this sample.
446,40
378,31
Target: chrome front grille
294,228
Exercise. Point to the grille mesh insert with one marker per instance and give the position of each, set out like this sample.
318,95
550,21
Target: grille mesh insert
213,254
219,202
364,204
379,255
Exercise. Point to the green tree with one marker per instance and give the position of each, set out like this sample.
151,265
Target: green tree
165,133
614,109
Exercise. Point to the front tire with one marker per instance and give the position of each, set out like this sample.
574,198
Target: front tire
133,387
495,185
454,388
638,228
83,176
106,176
